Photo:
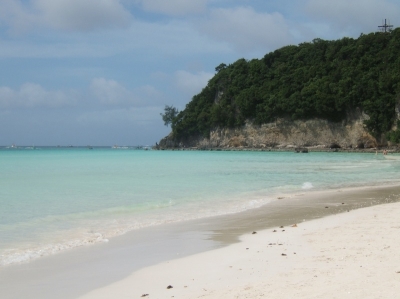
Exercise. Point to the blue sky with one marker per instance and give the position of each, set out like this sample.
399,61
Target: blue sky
99,72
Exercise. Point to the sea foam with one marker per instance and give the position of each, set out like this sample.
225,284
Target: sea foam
307,185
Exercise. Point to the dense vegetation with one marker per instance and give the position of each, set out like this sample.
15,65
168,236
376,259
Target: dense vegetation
323,79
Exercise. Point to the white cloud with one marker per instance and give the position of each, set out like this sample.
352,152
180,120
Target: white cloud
31,95
83,14
72,15
353,15
17,16
141,40
174,7
151,96
110,92
144,115
190,83
246,29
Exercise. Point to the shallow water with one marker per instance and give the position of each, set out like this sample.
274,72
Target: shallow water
54,199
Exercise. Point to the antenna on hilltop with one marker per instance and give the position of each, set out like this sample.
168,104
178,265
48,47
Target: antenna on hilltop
385,27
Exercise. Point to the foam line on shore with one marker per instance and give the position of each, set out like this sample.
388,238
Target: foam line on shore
89,268
349,255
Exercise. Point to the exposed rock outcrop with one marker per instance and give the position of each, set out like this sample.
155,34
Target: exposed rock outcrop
285,134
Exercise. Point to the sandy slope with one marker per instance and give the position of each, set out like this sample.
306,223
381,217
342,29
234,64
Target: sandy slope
350,255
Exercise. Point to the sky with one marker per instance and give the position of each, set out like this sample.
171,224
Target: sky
100,72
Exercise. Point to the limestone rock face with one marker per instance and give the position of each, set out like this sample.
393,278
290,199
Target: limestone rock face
286,134
291,134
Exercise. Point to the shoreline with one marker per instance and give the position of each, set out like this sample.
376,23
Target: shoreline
338,256
99,238
289,149
85,269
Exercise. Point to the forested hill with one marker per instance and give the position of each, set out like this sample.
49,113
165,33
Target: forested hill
319,79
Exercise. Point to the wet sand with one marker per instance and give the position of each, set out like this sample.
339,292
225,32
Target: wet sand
353,255
96,270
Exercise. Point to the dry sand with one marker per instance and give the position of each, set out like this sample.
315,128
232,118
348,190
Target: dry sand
349,255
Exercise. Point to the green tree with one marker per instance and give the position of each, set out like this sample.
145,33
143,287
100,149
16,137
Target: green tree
221,67
319,79
169,115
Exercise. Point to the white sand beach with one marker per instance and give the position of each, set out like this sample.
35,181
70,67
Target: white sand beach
350,255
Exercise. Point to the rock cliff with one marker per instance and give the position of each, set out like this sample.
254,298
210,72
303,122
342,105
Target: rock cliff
349,133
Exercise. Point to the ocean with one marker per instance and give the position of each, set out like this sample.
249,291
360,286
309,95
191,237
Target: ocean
54,199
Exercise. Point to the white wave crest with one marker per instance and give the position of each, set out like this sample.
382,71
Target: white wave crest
307,185
26,255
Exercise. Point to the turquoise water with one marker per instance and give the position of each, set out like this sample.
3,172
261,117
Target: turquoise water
53,199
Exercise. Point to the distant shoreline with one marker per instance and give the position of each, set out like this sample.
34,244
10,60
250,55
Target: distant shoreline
290,149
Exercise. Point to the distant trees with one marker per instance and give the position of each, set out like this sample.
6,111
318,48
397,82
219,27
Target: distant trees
323,79
220,67
169,115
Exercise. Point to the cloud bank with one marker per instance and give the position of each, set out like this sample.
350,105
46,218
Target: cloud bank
69,15
354,15
246,29
190,83
31,95
174,7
